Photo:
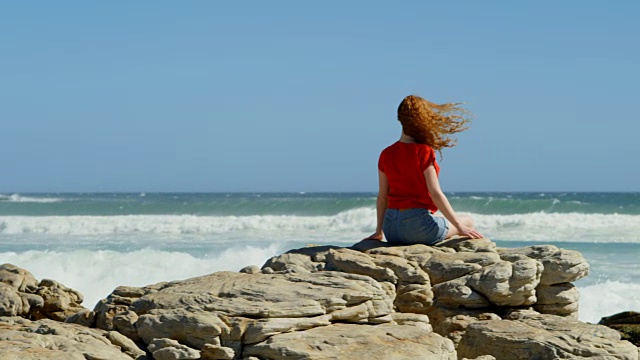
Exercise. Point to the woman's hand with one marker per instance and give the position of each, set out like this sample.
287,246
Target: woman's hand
469,232
375,236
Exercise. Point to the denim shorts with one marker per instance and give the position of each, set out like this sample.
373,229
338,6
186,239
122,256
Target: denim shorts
413,226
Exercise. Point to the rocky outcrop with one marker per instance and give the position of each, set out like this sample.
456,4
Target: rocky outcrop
367,301
22,295
236,315
23,339
547,337
627,323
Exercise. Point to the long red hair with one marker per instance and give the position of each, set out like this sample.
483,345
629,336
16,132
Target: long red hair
432,124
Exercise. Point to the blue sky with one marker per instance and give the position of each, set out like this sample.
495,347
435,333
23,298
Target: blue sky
301,96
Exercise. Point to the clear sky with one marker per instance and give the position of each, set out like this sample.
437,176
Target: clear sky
301,96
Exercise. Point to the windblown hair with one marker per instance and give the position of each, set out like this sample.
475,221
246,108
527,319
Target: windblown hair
432,124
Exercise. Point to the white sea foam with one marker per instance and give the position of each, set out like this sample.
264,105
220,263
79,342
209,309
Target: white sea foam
561,227
96,273
608,298
345,225
17,198
358,219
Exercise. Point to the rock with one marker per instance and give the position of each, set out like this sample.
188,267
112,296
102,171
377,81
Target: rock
251,269
464,244
47,339
10,301
291,262
413,298
560,265
456,293
627,323
194,328
59,301
560,299
368,301
85,318
276,295
355,262
235,310
452,323
215,352
406,271
22,295
168,349
260,330
31,303
349,341
625,317
508,283
126,345
449,266
19,279
419,253
546,337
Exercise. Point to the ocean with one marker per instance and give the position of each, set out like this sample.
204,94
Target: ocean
94,242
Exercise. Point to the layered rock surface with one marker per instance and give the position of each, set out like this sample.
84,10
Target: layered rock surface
22,295
367,301
22,339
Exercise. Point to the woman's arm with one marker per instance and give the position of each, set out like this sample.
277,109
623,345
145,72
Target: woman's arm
441,201
381,205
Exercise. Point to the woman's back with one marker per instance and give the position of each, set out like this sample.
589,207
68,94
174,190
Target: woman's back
404,164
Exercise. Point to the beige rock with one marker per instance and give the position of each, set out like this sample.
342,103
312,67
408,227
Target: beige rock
105,311
126,345
406,271
31,302
230,309
456,293
215,352
10,301
560,299
275,295
419,320
126,323
292,262
464,244
560,265
448,266
452,323
59,301
260,330
193,328
18,278
508,284
251,269
414,298
540,336
419,253
46,339
349,341
85,318
355,262
168,349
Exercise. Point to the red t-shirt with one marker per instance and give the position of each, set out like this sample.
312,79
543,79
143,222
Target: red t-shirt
404,165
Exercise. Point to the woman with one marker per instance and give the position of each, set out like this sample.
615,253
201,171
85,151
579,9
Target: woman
409,192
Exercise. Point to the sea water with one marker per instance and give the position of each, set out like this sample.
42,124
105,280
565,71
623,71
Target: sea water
94,242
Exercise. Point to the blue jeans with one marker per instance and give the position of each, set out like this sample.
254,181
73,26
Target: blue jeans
413,226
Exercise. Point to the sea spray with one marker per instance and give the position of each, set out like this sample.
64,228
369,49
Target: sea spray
96,273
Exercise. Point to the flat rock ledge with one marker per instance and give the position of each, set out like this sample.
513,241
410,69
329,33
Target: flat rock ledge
463,299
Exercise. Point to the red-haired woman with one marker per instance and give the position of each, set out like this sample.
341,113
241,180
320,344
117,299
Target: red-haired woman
409,190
